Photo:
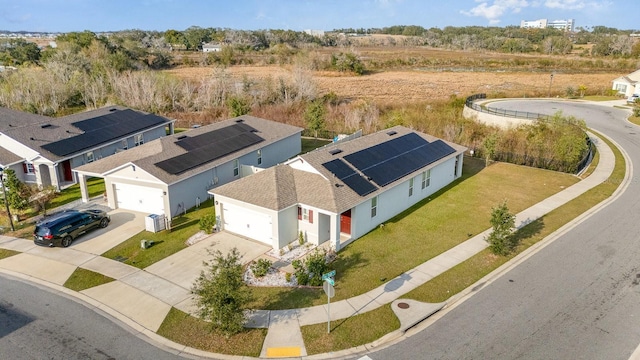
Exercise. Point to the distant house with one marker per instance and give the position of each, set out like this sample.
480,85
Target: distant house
340,192
211,48
627,85
44,150
169,175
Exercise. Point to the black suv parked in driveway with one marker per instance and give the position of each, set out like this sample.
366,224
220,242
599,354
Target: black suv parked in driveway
62,228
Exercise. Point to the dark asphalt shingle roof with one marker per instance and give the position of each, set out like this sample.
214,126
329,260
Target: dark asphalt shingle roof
317,189
27,128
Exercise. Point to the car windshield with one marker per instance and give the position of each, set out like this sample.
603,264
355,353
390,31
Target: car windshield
41,231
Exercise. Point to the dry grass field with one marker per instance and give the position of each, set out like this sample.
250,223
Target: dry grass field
451,73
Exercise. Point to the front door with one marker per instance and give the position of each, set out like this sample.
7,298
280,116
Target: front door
345,222
66,169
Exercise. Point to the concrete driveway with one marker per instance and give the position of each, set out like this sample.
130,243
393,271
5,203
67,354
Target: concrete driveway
183,267
124,224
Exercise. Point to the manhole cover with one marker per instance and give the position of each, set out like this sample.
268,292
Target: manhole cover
403,305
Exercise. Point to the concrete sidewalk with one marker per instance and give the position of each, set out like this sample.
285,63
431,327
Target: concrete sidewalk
161,286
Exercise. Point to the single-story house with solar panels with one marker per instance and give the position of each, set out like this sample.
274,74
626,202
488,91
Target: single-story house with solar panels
340,192
44,150
169,175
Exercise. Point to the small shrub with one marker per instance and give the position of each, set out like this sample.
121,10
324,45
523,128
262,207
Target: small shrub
287,277
261,267
570,91
301,238
207,223
310,271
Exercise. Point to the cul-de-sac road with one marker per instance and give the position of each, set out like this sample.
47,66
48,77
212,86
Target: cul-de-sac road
577,298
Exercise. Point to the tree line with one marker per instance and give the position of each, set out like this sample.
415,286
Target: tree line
129,48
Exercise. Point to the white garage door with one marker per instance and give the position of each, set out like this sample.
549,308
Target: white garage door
251,224
139,198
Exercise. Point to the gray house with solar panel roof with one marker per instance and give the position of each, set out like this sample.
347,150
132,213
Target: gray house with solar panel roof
169,175
340,192
44,150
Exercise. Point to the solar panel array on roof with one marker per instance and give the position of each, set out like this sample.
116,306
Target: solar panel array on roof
392,160
350,177
102,129
201,152
201,140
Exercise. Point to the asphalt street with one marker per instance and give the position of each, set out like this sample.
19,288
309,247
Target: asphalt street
36,323
577,298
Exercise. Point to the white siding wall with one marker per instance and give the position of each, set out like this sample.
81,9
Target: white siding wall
395,200
287,224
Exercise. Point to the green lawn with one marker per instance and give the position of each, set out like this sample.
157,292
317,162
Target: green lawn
4,253
346,333
190,331
426,230
165,242
82,279
599,98
94,185
465,274
309,144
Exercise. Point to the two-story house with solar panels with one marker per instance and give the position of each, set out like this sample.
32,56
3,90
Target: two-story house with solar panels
44,150
173,174
340,192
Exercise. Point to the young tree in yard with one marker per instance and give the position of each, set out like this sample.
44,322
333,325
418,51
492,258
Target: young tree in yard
503,223
314,116
221,294
41,196
17,192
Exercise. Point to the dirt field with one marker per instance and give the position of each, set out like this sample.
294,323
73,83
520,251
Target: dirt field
415,85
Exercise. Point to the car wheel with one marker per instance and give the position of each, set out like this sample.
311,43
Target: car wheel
66,241
104,222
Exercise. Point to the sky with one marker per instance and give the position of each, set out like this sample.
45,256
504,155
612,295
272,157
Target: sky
298,15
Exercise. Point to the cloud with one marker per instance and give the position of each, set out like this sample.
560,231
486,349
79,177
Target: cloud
574,4
494,11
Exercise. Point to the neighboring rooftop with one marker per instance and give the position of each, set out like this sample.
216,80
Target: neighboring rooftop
56,138
180,156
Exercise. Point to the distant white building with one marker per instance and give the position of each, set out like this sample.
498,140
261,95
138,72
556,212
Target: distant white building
318,33
533,24
566,25
211,47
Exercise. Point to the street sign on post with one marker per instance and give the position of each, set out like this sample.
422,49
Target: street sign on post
329,289
327,286
330,274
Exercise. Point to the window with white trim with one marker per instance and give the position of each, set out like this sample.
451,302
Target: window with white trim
28,168
374,206
410,186
259,157
138,139
90,157
426,178
305,214
236,167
